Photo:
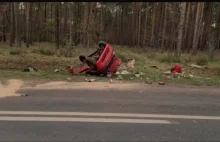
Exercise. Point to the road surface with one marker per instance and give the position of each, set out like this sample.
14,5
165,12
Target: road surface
110,115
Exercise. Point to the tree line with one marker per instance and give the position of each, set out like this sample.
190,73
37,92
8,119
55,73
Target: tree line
176,26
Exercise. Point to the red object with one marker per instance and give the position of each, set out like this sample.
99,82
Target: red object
176,69
156,67
70,70
107,62
161,83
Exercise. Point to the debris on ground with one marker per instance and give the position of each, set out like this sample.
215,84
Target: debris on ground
111,81
69,79
138,74
109,74
191,75
176,75
148,82
123,67
117,73
156,67
195,66
161,83
56,70
70,70
176,69
119,77
90,80
131,63
125,72
175,72
167,72
24,95
30,69
168,77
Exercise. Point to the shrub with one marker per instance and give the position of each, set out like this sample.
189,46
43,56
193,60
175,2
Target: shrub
152,55
202,61
44,51
66,52
15,52
170,59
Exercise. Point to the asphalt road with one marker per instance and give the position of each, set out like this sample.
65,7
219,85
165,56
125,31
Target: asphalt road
83,115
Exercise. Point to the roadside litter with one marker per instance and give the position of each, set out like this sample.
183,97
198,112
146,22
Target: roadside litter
138,74
161,83
30,69
90,80
24,95
195,66
70,70
176,69
198,67
125,72
156,67
119,77
148,82
131,63
69,79
56,70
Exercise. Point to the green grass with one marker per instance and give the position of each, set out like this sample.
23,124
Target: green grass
202,61
44,56
17,74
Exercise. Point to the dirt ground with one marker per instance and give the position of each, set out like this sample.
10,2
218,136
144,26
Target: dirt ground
10,87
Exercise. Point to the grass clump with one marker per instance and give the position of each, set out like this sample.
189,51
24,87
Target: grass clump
202,61
47,52
66,52
44,51
170,59
16,52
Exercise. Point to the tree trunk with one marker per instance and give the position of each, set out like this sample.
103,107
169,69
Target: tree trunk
145,26
164,25
71,22
217,39
191,27
30,24
201,27
180,33
139,24
153,24
4,27
207,24
57,24
132,24
195,35
34,36
45,21
45,12
65,21
17,25
27,24
186,33
84,36
51,23
12,25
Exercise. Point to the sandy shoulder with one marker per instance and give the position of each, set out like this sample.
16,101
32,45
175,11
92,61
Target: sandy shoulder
11,87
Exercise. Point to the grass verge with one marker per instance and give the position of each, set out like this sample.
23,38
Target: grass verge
44,56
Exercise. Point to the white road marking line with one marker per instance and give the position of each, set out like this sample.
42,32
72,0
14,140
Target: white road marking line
68,119
110,115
